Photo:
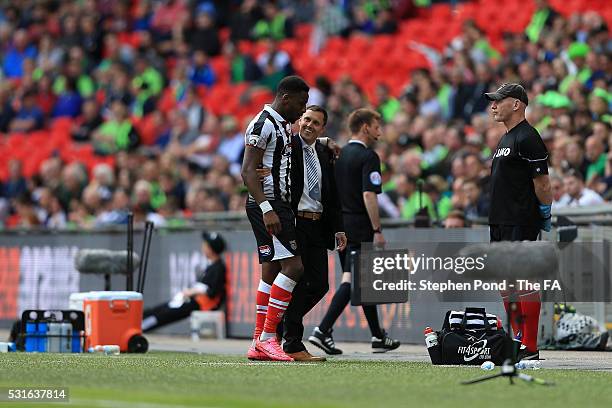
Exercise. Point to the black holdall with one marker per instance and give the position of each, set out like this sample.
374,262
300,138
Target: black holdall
471,344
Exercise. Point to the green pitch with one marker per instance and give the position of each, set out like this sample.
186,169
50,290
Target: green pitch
160,379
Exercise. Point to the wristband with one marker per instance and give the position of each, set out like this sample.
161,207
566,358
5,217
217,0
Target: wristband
265,206
545,211
378,230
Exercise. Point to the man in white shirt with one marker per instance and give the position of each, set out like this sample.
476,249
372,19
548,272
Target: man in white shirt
319,224
576,195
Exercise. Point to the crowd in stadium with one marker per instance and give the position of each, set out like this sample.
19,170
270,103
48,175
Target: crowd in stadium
128,81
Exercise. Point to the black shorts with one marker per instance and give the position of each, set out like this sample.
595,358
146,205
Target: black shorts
513,233
269,247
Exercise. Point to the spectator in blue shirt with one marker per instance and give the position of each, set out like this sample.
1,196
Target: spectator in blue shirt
201,73
68,102
29,116
17,54
16,183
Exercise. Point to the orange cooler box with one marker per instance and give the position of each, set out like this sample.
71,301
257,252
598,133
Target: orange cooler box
114,317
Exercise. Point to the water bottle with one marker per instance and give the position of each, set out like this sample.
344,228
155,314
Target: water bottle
487,366
41,337
66,339
31,341
53,338
433,348
109,350
528,365
7,347
76,342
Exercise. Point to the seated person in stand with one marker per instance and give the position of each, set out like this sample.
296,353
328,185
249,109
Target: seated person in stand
207,293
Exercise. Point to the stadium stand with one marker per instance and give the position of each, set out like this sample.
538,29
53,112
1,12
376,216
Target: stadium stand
110,106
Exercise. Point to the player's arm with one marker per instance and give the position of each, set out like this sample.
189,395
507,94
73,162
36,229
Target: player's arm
543,189
253,157
533,150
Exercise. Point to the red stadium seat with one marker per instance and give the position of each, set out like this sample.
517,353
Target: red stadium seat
224,34
221,69
261,96
292,47
303,31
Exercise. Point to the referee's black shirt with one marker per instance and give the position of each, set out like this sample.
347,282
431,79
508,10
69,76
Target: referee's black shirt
520,156
357,170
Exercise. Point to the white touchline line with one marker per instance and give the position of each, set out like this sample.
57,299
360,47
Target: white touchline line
262,363
129,404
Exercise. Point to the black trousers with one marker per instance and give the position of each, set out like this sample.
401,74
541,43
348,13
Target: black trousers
313,285
163,314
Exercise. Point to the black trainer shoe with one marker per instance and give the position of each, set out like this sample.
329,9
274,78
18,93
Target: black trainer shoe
525,354
385,344
324,341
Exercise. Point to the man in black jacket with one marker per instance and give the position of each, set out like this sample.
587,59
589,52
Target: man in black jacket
358,167
319,227
319,224
208,293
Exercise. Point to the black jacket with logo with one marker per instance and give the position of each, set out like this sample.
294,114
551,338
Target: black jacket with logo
520,157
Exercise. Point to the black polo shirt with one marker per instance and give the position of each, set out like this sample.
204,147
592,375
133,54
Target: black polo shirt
357,170
520,156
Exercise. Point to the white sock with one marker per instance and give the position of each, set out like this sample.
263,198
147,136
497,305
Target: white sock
265,336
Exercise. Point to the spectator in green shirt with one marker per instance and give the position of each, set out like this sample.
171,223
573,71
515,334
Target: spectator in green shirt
275,24
388,106
437,188
242,66
117,133
595,154
599,104
542,17
409,200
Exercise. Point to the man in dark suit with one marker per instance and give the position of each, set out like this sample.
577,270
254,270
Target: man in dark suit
318,223
319,227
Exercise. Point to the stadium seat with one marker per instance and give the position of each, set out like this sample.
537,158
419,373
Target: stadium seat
261,96
303,31
221,69
291,46
224,35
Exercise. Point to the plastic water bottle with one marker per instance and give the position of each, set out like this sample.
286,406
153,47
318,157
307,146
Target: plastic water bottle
76,342
31,341
41,337
7,347
53,338
66,339
528,365
109,349
433,348
487,366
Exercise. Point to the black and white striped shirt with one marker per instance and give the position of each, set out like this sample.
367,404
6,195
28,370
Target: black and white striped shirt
270,132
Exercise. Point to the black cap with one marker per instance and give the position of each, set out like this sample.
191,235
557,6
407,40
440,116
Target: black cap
215,240
508,91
